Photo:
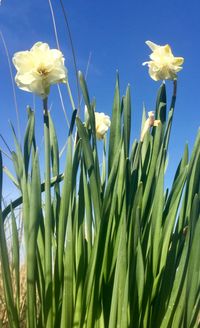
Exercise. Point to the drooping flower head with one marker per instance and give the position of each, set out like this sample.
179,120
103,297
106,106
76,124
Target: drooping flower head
163,64
150,122
39,68
102,123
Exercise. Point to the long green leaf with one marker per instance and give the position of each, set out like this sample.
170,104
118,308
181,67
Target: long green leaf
35,213
127,120
115,128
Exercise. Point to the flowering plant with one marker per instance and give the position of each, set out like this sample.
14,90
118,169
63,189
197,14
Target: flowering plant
109,246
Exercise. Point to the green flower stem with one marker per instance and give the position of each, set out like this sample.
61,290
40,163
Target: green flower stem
48,221
171,114
175,88
70,95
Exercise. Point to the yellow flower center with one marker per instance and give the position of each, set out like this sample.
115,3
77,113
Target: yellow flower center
42,71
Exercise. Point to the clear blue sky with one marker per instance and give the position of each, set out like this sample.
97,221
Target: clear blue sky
115,33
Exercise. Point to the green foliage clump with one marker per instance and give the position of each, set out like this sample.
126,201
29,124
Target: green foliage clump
109,246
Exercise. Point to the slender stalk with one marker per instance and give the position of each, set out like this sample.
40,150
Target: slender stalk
13,84
48,221
58,46
86,72
62,105
171,111
175,88
54,24
70,95
73,52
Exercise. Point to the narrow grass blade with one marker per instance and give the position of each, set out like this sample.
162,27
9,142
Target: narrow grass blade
67,299
115,128
29,138
7,282
47,220
87,102
16,258
89,161
35,214
156,221
11,177
171,216
127,120
120,274
193,281
65,200
55,171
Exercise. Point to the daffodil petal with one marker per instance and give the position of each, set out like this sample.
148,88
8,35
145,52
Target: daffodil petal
156,122
178,61
152,45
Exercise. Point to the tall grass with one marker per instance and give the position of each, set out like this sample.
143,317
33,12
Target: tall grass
109,247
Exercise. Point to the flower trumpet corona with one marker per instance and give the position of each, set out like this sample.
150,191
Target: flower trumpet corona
150,122
163,64
39,68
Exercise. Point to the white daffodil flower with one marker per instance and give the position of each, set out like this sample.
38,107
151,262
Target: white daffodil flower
163,64
39,68
148,124
102,123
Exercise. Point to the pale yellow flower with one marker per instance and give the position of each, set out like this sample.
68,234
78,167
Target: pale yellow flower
150,122
102,123
39,68
163,64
